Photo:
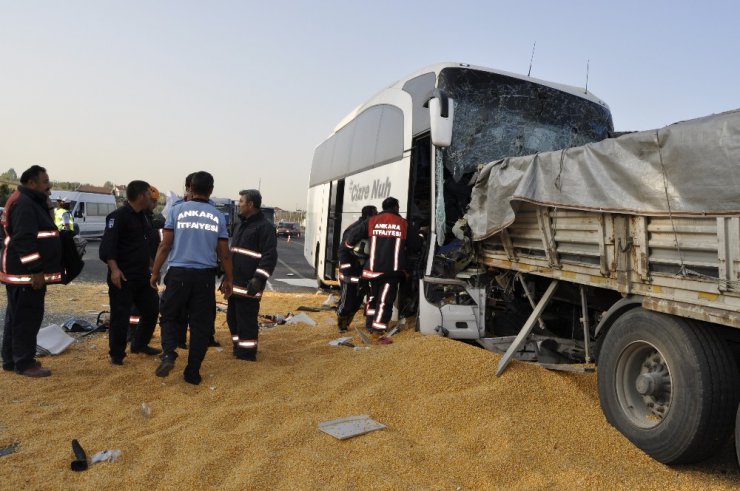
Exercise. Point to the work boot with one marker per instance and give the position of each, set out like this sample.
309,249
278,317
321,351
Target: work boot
147,350
35,371
348,321
192,376
165,367
9,366
343,322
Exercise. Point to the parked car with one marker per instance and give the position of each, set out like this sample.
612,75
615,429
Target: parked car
288,229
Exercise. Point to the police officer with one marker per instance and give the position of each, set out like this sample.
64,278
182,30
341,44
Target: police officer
62,217
194,235
154,237
352,285
254,249
31,259
125,249
390,236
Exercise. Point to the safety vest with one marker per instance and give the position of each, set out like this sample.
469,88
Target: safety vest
59,218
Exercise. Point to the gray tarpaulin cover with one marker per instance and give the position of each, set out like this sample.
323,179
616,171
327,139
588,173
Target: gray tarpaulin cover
691,168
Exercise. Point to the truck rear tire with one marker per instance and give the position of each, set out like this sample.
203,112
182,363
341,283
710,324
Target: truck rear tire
669,385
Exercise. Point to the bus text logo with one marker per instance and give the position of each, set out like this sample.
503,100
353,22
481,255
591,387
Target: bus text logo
364,192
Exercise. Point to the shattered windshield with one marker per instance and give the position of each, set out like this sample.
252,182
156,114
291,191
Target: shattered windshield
498,116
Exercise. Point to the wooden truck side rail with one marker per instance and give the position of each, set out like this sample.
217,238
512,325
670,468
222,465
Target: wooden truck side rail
687,267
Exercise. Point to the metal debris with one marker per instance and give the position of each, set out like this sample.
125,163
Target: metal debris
12,448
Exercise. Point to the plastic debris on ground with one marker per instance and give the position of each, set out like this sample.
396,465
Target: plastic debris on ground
344,341
103,320
300,318
12,448
79,463
146,410
349,427
323,308
269,320
106,456
78,325
330,300
363,336
52,340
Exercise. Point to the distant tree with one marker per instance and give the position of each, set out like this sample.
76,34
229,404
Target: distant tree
109,185
65,186
4,193
9,175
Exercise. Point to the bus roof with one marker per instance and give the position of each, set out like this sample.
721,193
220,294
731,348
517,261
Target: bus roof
438,67
82,196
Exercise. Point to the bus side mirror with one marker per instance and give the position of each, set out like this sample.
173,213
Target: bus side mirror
78,214
441,115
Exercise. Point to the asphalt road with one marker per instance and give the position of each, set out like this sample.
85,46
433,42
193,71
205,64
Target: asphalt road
292,274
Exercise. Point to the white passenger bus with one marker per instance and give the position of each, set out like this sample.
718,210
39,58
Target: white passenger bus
88,209
421,139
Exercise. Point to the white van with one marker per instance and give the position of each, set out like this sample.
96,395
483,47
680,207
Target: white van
88,209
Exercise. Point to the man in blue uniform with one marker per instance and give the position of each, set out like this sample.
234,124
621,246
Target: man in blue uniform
254,246
194,236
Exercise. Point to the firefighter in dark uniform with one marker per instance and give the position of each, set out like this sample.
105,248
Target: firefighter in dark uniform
390,237
353,287
254,252
31,259
125,248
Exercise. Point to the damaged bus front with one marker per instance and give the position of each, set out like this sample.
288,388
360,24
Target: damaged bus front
493,116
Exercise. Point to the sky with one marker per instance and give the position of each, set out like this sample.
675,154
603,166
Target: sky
114,91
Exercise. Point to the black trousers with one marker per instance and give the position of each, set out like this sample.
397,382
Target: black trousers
351,298
190,292
22,323
182,330
134,322
379,310
241,317
134,292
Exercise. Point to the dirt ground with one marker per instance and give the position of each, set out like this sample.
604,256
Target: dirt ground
450,423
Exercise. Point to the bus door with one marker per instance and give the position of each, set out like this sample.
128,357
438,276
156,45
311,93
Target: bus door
333,229
420,214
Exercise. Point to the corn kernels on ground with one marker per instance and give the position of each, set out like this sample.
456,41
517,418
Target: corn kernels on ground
450,423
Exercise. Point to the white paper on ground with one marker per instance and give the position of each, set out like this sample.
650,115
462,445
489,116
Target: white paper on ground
340,341
298,318
53,340
344,428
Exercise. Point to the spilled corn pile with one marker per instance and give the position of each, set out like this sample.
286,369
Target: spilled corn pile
450,423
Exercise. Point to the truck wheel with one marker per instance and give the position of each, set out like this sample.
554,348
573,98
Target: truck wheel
669,385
